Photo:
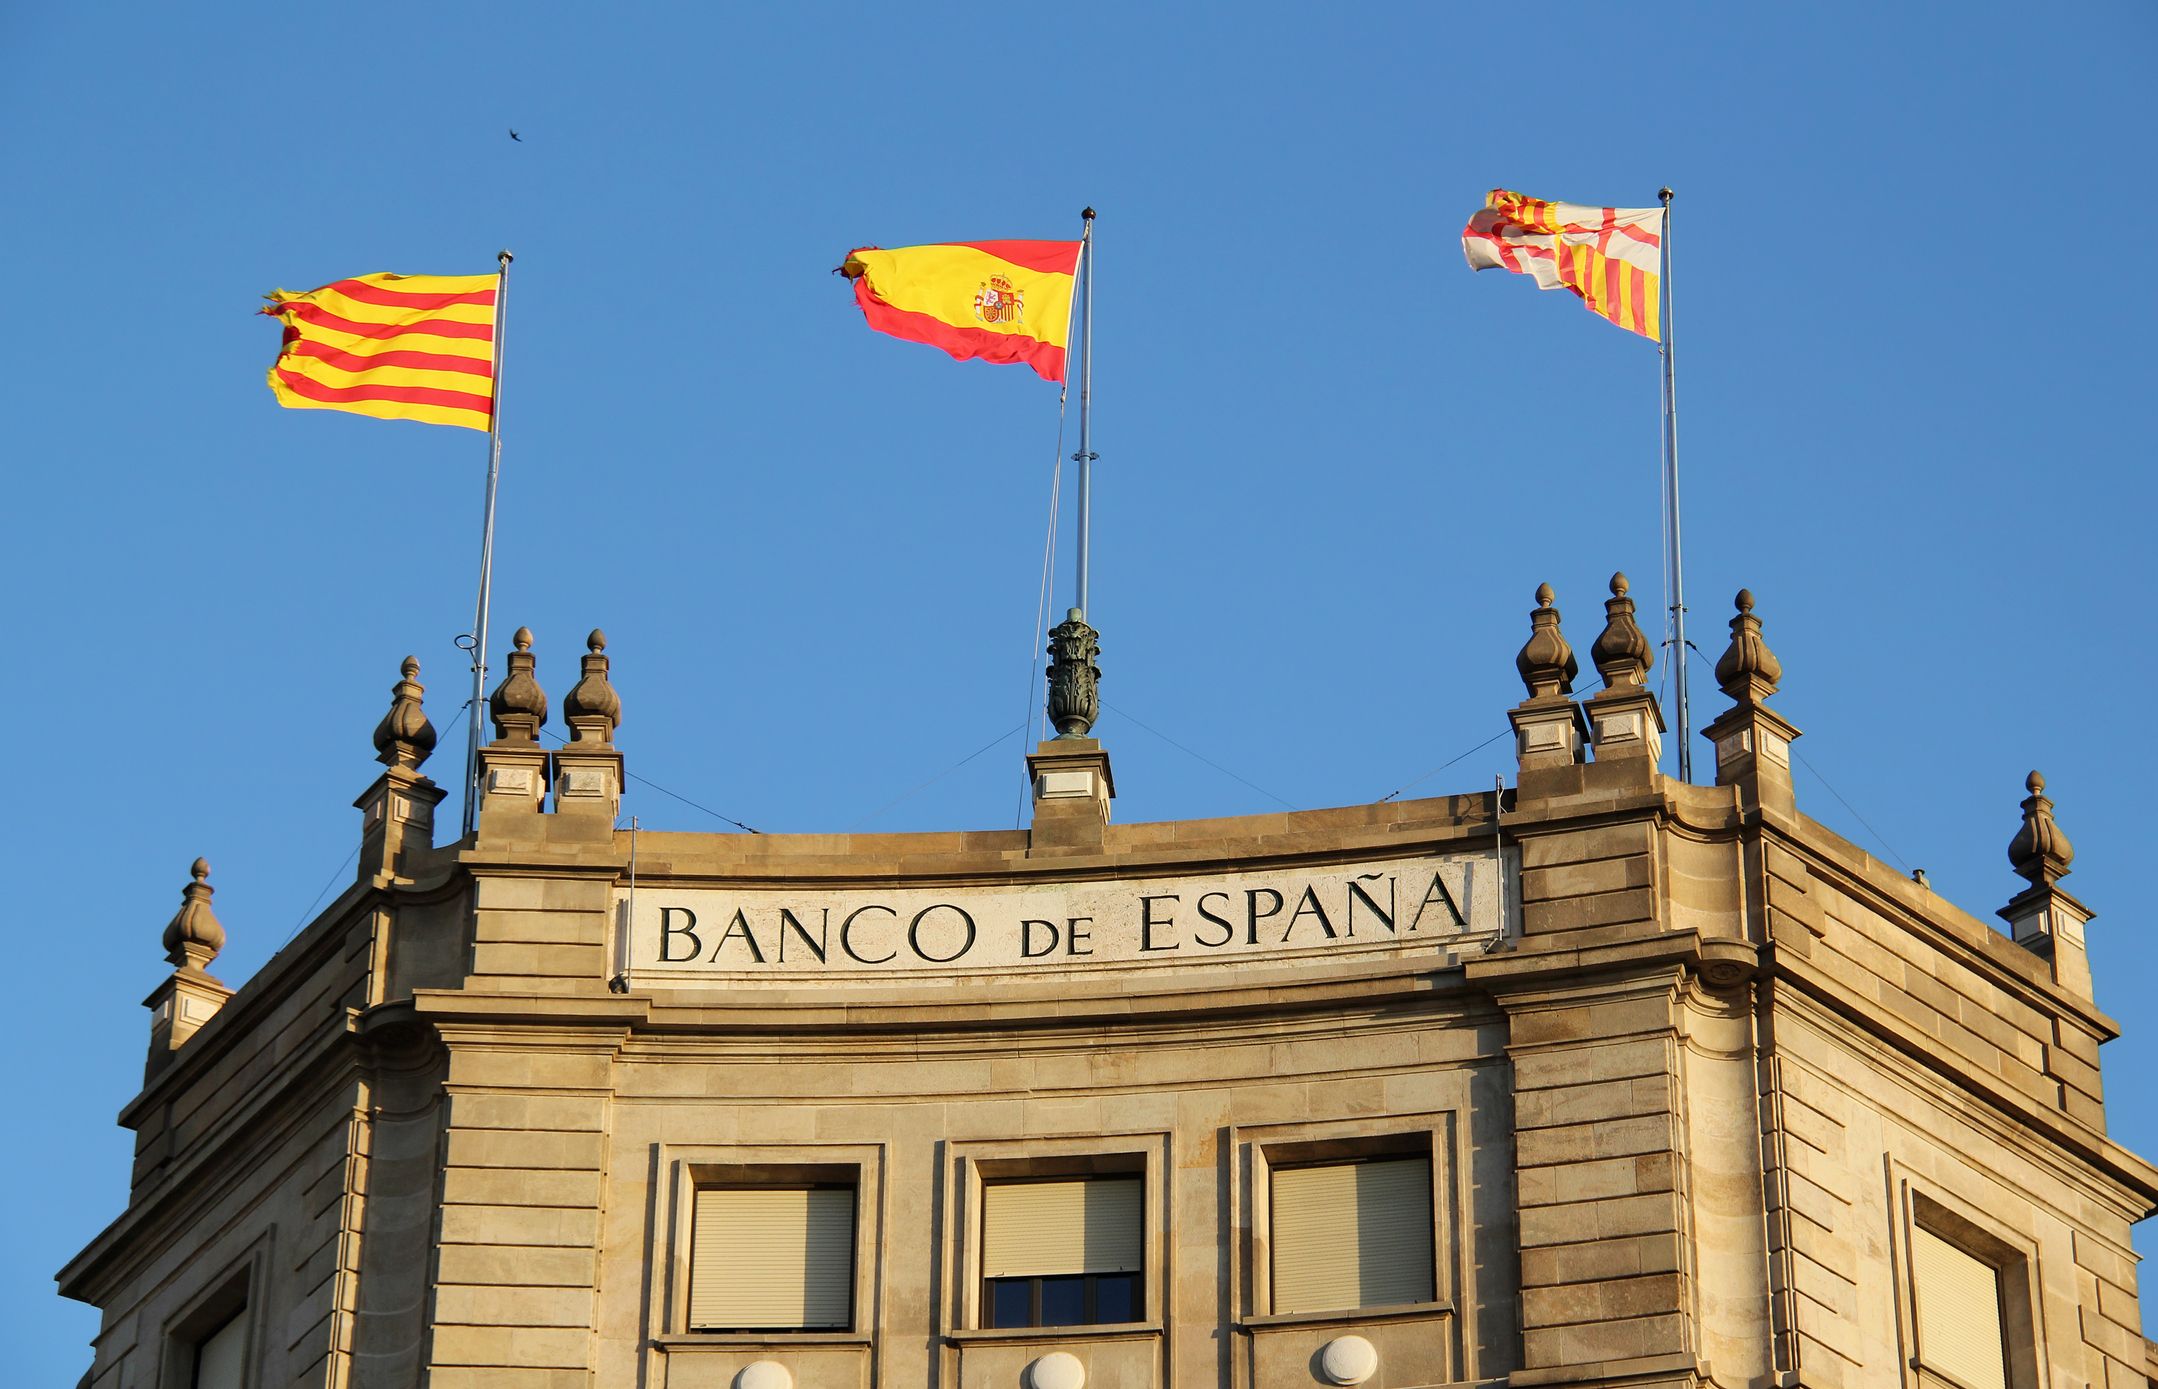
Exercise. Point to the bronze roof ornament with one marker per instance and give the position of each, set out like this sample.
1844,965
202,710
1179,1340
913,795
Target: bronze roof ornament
1074,678
1748,671
2040,851
519,706
404,738
195,935
1622,652
1546,662
593,709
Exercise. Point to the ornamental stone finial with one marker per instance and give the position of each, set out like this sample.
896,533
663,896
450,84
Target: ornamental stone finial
195,935
1074,679
592,708
1546,662
2040,851
519,706
1622,652
1748,671
404,738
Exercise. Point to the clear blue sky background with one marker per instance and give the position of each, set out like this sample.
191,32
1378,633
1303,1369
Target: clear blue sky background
1915,311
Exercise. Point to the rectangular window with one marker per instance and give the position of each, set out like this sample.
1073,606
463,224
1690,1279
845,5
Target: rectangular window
220,1358
1062,1252
1957,1298
772,1258
1352,1234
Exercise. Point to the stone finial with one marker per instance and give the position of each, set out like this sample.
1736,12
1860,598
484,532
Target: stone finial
1074,679
195,935
1622,652
404,738
2040,852
1748,671
519,706
592,708
1546,662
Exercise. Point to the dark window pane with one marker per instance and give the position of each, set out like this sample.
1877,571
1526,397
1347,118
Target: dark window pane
1011,1302
1116,1298
1063,1301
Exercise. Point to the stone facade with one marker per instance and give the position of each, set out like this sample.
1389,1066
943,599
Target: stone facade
1690,1073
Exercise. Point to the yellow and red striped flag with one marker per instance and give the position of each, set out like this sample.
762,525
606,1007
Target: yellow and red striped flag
398,347
1000,301
1607,255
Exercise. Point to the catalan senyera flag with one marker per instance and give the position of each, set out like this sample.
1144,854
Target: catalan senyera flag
398,347
1000,301
1610,256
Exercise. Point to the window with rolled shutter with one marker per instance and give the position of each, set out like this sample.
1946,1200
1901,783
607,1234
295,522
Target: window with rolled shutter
1352,1234
1958,1302
1046,1229
772,1259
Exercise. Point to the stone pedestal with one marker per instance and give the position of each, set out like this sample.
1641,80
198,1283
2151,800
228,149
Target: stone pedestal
1549,732
513,781
178,1008
2049,923
397,820
1072,791
1753,753
1626,726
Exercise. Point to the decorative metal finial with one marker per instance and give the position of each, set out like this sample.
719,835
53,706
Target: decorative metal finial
194,936
519,706
2040,851
1748,671
593,709
1622,653
404,738
1074,679
1546,662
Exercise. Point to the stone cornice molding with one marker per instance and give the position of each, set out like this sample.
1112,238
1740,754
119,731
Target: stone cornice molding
1987,951
166,1206
2007,1115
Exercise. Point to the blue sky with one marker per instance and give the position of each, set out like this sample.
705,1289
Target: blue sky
1915,365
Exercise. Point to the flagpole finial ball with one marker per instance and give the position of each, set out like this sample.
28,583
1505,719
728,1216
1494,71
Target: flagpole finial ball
1544,595
1664,194
523,639
504,256
1087,213
597,641
1744,601
1619,585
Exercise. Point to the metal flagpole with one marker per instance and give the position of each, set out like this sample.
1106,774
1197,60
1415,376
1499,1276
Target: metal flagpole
1670,521
487,556
1085,456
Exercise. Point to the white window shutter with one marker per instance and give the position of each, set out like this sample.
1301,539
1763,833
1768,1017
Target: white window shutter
1055,1228
1352,1234
221,1358
1959,1312
772,1258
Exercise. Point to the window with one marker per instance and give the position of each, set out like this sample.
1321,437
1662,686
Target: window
1062,1252
772,1258
220,1358
1352,1234
1958,1304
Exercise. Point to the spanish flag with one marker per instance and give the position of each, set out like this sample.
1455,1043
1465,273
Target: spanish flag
398,347
1000,301
1610,256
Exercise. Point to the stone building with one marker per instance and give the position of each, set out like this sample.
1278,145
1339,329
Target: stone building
1599,1079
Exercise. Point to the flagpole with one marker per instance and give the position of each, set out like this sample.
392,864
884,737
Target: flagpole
1085,456
1672,547
487,555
